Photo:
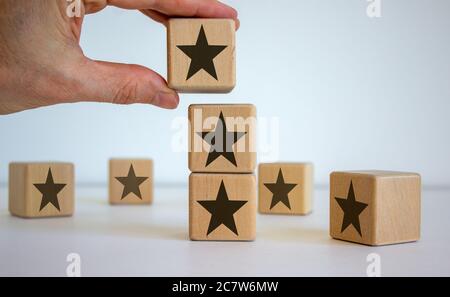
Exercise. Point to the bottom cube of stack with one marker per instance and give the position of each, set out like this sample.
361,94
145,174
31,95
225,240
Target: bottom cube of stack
222,207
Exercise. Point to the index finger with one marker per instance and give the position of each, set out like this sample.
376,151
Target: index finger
181,8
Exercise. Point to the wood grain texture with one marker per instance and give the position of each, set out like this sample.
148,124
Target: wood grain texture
300,197
25,199
393,212
185,32
121,168
238,118
240,187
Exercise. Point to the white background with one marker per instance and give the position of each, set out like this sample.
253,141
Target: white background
350,92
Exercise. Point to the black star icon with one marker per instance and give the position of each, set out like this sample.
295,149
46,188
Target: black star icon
352,209
202,55
221,142
49,191
131,183
222,210
280,191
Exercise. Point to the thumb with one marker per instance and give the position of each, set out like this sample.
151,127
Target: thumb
124,84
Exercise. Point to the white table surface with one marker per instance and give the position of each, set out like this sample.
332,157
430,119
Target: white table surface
153,241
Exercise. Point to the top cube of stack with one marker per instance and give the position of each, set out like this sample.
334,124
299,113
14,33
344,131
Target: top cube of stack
201,55
222,138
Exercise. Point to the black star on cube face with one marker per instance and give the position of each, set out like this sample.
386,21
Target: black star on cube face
49,191
131,183
280,191
202,55
352,209
221,142
222,210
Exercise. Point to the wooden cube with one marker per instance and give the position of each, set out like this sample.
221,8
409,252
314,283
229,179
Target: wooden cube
201,55
285,188
222,138
222,207
130,181
375,207
41,189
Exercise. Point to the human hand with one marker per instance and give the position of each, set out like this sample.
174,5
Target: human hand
41,62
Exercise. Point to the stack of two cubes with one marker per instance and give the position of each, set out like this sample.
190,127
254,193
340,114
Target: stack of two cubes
222,159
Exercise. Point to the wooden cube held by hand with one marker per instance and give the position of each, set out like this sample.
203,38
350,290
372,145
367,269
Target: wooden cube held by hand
201,55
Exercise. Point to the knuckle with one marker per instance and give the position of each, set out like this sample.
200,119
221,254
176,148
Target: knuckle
126,93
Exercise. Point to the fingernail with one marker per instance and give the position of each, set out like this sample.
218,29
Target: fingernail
167,99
